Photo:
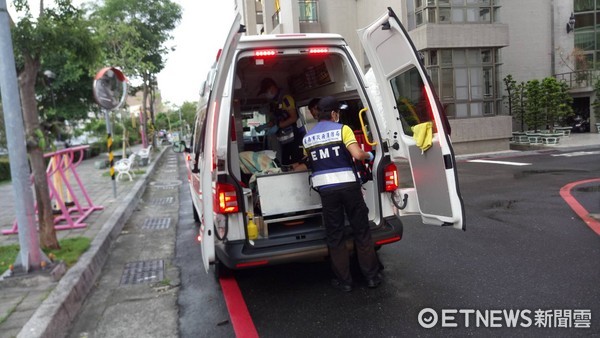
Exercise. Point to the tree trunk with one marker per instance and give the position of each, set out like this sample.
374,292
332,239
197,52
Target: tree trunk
145,91
27,80
144,114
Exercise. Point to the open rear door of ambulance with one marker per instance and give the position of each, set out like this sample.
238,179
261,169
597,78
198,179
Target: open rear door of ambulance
209,162
409,103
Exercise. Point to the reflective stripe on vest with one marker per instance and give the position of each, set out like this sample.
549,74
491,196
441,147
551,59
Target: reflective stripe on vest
320,179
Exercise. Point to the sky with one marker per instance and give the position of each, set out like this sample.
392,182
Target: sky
201,33
197,39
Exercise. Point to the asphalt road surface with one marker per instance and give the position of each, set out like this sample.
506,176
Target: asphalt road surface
526,266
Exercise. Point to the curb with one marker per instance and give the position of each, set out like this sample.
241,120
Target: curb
54,316
525,152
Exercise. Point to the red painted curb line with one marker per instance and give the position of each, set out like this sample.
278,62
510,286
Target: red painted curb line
243,326
565,193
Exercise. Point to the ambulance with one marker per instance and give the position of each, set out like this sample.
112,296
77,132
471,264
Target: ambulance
252,211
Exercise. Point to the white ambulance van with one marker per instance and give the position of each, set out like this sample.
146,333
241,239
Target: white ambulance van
254,212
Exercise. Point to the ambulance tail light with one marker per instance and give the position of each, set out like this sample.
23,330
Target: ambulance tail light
390,177
226,199
318,50
262,53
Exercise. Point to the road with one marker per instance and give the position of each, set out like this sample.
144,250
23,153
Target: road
524,249
525,252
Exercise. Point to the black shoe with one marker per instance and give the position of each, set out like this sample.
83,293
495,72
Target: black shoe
336,283
374,282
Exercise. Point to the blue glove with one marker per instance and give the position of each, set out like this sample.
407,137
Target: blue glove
371,156
272,130
261,127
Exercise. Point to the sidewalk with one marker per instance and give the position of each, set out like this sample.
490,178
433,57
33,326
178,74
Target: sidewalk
38,307
574,142
35,305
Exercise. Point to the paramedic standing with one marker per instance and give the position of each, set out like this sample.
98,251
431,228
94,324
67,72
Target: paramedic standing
330,147
284,122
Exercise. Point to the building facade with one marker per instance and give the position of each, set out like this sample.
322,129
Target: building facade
469,46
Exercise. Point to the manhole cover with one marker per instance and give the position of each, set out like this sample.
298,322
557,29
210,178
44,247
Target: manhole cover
157,223
143,272
161,201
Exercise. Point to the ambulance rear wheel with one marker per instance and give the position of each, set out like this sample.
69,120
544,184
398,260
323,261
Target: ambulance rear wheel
221,270
196,216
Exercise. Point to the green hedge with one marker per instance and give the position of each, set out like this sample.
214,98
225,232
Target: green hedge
4,169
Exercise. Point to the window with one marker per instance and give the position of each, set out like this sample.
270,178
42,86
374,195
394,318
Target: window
433,58
444,15
583,5
587,32
455,11
447,89
584,21
446,57
431,16
419,18
308,11
466,80
411,99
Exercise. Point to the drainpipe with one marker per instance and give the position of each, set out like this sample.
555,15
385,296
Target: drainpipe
552,57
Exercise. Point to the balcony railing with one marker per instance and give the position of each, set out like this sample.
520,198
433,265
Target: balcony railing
579,79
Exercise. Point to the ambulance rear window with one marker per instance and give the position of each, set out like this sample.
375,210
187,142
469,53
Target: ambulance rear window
411,99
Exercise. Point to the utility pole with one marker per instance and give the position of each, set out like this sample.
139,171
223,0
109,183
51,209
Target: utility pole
30,254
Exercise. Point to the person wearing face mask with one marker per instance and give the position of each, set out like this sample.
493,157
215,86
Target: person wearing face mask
284,121
313,108
330,148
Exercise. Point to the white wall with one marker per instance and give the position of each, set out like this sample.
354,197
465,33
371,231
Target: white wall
529,53
563,42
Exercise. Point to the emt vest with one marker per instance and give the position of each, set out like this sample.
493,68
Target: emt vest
330,160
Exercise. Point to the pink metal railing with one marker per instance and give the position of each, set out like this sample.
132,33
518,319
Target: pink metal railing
74,212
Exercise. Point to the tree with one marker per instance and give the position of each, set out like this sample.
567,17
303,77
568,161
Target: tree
137,31
188,113
510,85
520,101
596,103
533,105
515,99
59,36
556,101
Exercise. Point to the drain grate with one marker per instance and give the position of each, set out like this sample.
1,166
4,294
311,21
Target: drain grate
143,272
165,187
161,201
157,223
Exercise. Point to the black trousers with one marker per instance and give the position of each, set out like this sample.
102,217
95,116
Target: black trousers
349,200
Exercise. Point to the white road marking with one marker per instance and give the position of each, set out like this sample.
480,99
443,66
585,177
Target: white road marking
578,153
500,162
